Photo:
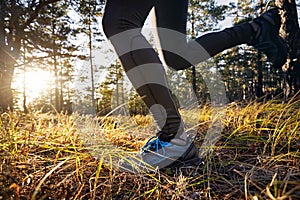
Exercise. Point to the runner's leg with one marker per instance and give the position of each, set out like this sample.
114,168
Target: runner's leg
173,16
122,24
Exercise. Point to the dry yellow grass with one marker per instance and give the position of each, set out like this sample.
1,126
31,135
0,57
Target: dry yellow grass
46,156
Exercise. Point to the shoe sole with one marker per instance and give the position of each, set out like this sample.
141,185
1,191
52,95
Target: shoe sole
187,163
277,44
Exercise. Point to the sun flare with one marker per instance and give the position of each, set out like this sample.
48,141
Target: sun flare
37,82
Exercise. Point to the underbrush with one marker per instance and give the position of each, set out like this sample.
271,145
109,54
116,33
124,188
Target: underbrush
46,156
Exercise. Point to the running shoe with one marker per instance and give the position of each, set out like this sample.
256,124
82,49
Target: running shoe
158,154
267,39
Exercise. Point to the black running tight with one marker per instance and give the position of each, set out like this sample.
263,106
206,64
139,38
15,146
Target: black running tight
122,23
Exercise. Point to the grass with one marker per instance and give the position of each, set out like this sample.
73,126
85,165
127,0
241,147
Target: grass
46,156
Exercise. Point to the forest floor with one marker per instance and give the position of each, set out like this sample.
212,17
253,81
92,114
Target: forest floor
53,156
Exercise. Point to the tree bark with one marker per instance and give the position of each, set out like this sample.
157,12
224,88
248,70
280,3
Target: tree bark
259,75
4,88
290,32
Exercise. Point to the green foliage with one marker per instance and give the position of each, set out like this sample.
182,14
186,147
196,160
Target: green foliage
104,103
136,105
114,94
111,90
205,15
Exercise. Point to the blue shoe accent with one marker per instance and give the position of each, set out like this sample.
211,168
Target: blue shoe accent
155,144
161,154
158,154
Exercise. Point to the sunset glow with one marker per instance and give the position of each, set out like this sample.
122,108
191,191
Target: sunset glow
37,82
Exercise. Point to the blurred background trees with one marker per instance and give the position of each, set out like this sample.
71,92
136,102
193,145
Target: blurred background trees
56,36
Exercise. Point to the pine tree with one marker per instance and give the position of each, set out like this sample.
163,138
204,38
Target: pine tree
114,86
15,19
54,30
204,15
90,11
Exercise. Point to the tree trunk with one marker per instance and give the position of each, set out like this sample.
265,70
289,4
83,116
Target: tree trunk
259,75
6,75
6,66
91,63
290,32
194,78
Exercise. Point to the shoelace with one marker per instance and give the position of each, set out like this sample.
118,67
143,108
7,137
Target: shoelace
153,144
